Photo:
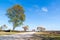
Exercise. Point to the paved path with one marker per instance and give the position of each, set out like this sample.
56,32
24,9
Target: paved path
19,36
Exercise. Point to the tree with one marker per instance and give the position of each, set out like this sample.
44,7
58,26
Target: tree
33,30
0,28
16,15
3,27
25,28
40,29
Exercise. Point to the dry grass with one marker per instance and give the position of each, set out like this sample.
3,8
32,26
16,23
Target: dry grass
8,33
44,33
48,34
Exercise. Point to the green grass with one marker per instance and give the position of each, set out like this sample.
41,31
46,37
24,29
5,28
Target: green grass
53,38
57,38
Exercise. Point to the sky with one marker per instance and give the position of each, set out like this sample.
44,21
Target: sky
39,13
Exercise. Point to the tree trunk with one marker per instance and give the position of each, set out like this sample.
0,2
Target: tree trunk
25,30
13,29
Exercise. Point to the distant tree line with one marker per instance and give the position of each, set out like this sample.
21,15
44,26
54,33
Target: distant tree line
39,29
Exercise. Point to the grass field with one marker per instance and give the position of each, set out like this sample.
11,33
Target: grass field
47,35
44,33
39,33
8,33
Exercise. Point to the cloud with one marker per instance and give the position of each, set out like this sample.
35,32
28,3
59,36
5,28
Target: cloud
36,9
36,6
44,9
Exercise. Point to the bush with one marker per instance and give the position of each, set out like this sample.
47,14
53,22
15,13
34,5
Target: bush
7,30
